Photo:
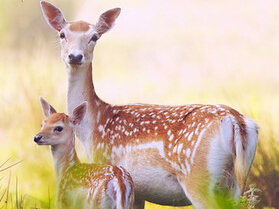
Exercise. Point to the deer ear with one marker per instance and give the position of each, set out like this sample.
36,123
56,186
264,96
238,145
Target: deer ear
79,113
53,16
46,107
106,20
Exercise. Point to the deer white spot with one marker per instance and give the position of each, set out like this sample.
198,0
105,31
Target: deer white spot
174,149
101,130
171,137
190,136
196,131
188,152
183,169
193,124
169,132
213,111
187,166
180,132
223,113
192,143
180,146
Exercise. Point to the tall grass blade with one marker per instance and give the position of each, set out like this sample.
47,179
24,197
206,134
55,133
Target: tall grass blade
9,165
2,196
8,191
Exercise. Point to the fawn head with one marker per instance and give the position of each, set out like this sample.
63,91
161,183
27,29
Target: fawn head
78,38
57,128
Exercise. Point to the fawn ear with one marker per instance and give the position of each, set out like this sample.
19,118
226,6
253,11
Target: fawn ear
106,20
53,16
46,107
78,113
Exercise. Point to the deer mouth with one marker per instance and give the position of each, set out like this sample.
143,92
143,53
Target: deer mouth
73,64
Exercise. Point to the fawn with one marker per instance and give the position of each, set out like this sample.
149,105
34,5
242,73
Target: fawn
176,155
81,185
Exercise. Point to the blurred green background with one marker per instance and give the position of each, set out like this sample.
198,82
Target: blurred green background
160,51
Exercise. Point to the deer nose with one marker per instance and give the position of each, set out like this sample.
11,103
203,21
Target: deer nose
37,138
75,59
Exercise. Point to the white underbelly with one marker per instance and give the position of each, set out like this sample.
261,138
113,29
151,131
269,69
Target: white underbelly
152,182
158,186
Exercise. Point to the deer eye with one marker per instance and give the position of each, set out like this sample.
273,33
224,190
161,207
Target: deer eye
62,35
94,38
58,128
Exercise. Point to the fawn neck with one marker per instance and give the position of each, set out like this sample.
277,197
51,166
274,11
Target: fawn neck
64,155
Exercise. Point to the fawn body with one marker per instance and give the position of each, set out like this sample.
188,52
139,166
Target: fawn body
176,155
80,185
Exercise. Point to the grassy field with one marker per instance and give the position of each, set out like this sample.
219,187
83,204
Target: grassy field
216,53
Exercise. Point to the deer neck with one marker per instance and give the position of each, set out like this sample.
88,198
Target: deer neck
80,89
64,156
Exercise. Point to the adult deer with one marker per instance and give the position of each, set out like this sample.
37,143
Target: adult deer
81,185
176,155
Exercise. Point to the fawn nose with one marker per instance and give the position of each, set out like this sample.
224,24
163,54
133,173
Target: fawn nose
37,138
75,59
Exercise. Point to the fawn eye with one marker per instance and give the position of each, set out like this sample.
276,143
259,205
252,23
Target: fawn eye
58,128
94,38
62,35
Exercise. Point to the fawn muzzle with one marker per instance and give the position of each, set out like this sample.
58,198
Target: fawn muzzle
37,138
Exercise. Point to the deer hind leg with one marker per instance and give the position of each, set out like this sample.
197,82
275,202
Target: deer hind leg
206,191
229,159
121,194
196,190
